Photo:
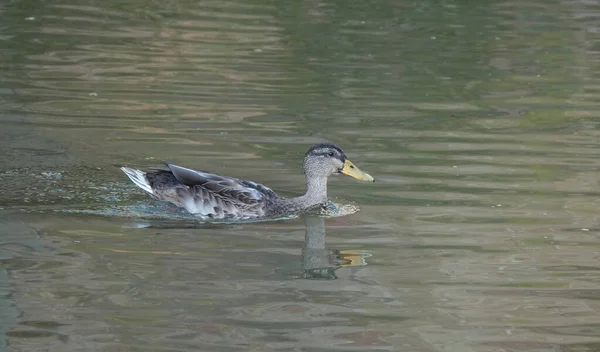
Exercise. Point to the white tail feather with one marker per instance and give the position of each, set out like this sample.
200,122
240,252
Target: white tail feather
138,177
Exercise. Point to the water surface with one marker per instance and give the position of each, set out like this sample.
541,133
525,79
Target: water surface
478,120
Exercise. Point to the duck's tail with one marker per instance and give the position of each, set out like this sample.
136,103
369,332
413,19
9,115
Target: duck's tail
139,178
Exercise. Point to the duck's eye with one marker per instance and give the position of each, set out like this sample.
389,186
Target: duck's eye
330,153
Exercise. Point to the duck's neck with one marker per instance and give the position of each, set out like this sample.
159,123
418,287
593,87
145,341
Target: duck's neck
316,190
316,193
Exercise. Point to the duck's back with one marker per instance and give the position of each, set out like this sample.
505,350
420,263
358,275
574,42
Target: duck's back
208,195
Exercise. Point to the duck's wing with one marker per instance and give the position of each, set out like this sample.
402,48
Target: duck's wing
220,196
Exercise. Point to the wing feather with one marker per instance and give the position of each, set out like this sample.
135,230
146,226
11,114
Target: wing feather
219,196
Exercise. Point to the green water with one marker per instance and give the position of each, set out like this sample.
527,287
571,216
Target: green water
479,121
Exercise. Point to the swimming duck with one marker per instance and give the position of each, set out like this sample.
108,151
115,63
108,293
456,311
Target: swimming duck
220,197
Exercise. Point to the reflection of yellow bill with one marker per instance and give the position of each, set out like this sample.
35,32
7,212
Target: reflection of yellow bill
353,257
352,171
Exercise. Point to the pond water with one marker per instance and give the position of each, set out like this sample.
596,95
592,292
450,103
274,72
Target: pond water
479,121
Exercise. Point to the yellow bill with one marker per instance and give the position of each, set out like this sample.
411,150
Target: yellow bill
352,171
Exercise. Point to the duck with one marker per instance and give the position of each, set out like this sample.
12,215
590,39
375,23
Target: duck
211,196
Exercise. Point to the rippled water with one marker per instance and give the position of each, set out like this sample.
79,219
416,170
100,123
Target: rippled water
479,121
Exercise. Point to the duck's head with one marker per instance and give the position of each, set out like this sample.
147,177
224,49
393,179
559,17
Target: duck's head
326,159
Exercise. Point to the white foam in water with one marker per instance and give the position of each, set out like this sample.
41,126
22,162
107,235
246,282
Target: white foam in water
334,210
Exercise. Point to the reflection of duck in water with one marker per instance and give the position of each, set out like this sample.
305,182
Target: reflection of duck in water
319,263
220,197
